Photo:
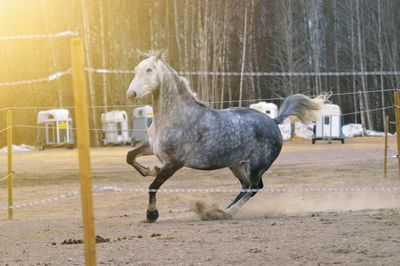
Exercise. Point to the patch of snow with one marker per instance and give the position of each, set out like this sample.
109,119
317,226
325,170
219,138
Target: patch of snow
285,130
301,130
352,130
306,132
18,148
355,130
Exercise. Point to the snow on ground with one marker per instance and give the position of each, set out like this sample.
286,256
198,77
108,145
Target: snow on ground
305,131
18,148
355,130
352,130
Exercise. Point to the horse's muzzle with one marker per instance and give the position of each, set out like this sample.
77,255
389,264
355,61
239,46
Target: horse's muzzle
131,96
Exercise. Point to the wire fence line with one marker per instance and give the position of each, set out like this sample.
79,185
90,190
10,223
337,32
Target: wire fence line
62,34
5,129
73,128
59,74
290,74
282,98
111,188
109,71
141,105
6,177
133,130
43,201
265,190
259,74
51,77
370,110
72,107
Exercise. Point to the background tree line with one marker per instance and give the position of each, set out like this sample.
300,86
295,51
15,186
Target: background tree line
209,36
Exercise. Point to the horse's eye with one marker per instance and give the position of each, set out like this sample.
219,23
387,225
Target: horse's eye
149,70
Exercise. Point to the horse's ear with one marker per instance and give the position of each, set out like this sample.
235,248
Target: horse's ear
161,54
141,55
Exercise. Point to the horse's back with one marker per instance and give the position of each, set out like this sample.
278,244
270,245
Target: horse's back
228,136
262,124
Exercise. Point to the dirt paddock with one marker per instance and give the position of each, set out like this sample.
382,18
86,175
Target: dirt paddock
273,228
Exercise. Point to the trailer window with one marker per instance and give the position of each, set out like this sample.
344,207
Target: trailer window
326,120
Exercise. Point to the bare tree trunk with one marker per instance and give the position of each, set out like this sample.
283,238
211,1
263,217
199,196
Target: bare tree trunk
103,56
178,42
204,51
53,52
251,40
288,31
243,55
193,41
315,42
362,67
152,41
215,54
88,54
353,51
224,46
380,50
336,25
362,111
167,26
186,39
199,50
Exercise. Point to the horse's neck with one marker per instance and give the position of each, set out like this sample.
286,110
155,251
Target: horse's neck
172,103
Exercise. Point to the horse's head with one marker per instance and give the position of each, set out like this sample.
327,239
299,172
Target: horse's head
147,77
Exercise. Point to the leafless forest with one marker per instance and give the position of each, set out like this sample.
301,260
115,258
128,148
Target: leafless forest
340,46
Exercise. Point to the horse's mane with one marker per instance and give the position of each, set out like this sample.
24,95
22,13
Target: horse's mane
170,75
158,54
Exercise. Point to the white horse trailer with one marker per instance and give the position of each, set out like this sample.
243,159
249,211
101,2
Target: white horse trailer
115,127
270,109
54,129
142,120
329,125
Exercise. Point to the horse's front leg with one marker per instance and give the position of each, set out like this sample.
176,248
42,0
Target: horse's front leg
142,149
164,173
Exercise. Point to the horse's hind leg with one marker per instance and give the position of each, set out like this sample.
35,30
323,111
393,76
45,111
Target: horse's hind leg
241,173
252,171
142,149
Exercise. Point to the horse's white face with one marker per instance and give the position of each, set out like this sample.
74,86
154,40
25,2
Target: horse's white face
146,79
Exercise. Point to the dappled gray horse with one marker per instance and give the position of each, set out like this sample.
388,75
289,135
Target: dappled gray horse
187,133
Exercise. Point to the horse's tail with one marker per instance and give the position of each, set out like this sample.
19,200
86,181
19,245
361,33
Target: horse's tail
301,106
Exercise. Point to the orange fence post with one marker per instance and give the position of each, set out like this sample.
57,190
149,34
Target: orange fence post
83,141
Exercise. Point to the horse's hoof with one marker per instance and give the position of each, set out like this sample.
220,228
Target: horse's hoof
152,216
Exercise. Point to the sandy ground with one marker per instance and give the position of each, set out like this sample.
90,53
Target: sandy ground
273,228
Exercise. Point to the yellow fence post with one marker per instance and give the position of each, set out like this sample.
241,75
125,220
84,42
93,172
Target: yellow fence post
10,166
397,115
83,142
